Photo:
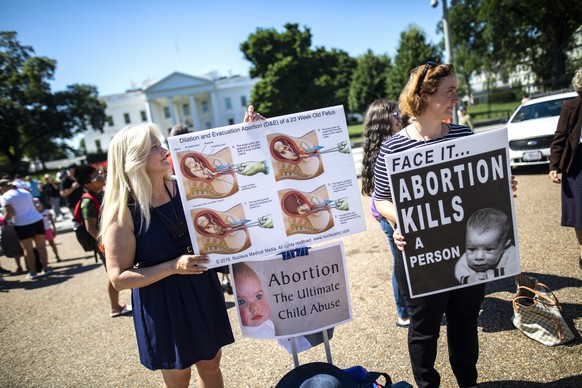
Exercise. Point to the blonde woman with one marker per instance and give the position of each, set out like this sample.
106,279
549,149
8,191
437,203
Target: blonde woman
179,311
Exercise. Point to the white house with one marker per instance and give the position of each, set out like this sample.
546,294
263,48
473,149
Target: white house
200,102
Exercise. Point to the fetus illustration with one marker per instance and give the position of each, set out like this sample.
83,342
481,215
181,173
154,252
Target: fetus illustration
295,158
226,232
300,158
208,176
221,232
308,213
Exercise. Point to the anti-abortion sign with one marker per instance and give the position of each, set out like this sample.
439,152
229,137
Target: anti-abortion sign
303,294
254,189
454,206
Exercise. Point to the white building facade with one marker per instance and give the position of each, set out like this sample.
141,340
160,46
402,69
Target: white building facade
199,102
522,75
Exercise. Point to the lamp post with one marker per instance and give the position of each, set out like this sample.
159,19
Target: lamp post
448,46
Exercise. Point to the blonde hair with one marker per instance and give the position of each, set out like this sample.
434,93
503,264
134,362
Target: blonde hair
410,100
127,177
577,81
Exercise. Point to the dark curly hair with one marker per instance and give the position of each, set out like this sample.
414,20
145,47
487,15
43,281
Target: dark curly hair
377,128
83,174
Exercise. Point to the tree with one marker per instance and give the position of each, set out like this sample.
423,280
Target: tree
413,50
30,114
507,33
295,77
368,80
469,55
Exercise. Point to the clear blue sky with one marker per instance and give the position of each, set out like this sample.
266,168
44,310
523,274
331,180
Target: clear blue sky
112,44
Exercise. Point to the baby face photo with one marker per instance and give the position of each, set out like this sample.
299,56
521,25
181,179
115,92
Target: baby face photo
302,295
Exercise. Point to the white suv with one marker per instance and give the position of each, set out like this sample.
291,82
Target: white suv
531,129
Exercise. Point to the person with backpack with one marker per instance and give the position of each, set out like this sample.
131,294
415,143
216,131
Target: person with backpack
86,213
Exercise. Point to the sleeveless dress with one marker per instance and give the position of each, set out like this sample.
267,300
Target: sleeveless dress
180,319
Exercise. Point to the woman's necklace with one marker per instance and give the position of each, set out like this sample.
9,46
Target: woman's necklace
177,229
422,136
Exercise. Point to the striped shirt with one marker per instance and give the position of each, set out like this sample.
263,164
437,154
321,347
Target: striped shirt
398,143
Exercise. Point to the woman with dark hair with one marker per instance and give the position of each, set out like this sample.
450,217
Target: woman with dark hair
382,121
431,95
566,158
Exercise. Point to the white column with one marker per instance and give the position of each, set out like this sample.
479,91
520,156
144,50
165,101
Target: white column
215,112
172,110
149,111
194,114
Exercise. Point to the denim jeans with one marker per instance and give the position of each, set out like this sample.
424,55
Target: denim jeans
401,308
56,205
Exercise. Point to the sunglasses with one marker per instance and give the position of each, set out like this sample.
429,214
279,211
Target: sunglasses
427,65
97,177
396,115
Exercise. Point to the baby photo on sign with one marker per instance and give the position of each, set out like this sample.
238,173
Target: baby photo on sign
489,247
299,297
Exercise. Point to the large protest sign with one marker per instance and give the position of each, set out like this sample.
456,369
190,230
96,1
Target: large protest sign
454,205
294,297
259,188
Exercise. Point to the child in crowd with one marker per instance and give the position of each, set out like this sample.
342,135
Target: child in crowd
489,248
50,229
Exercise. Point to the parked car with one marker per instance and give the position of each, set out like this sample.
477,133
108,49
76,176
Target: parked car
531,128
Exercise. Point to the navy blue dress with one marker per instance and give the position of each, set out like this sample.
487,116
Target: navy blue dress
180,319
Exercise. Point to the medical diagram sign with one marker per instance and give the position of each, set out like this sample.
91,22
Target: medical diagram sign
260,188
454,206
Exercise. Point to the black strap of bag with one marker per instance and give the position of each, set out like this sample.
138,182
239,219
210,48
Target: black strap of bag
371,378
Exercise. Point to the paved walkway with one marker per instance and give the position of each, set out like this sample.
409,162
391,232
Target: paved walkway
56,332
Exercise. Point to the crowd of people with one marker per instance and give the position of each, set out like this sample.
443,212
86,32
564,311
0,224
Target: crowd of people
145,246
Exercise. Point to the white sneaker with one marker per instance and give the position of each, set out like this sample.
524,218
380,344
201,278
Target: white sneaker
31,276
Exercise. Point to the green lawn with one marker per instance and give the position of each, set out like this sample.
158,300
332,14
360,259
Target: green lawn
489,111
355,132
